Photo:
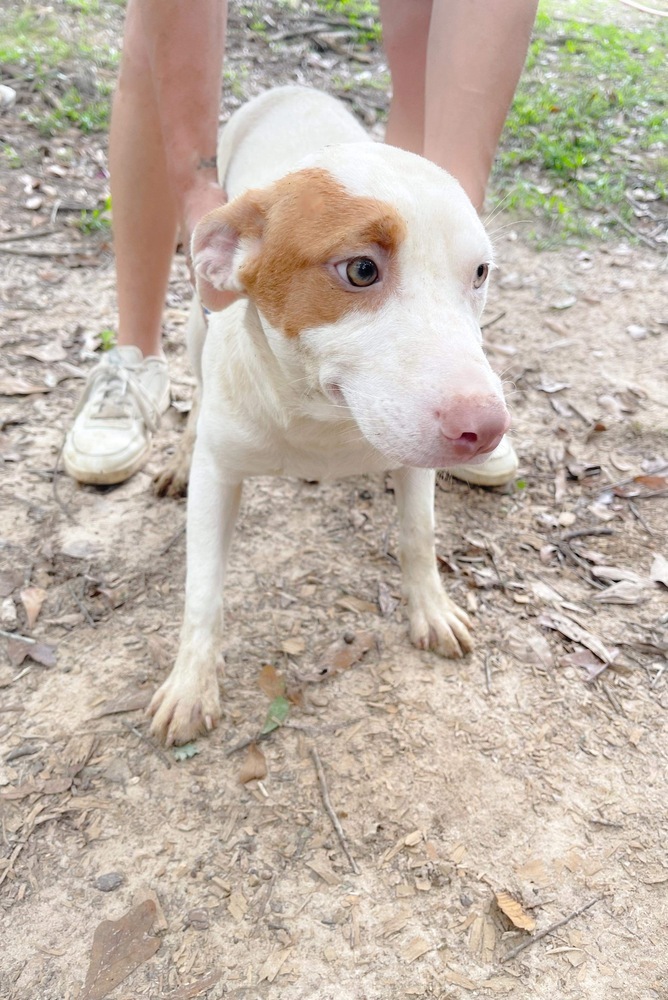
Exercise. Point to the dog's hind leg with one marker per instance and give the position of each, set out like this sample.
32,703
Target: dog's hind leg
173,480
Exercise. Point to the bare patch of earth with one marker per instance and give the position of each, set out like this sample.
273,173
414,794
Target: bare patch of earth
532,767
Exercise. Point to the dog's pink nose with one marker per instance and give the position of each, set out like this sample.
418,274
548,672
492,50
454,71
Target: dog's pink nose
474,425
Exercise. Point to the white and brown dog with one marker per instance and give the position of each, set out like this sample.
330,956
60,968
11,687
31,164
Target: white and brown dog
356,348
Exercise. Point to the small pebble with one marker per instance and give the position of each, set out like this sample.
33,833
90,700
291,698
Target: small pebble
7,97
198,919
109,882
8,617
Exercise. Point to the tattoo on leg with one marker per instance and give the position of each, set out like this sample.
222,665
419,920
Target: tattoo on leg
207,163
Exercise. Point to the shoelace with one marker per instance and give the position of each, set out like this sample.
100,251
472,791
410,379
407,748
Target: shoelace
119,390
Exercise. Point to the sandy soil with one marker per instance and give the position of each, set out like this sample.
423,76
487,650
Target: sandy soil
535,768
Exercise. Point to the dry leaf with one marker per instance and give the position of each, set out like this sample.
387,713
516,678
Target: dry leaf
18,647
576,633
652,482
515,911
254,767
351,603
535,870
386,602
624,592
659,571
20,387
46,353
271,681
343,654
119,947
131,701
615,573
32,599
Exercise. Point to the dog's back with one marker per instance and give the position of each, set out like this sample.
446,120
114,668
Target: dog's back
292,122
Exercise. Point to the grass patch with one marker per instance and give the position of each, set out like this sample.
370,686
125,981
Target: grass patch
587,127
362,16
31,43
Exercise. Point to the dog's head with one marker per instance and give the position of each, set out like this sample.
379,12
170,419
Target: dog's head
368,268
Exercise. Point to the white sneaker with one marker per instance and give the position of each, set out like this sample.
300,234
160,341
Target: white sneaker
497,470
121,406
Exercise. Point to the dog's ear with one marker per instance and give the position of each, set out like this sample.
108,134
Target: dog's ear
221,242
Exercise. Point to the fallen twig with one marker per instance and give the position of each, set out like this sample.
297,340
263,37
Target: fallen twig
247,742
491,322
156,750
65,252
584,532
29,234
330,811
550,930
638,516
82,608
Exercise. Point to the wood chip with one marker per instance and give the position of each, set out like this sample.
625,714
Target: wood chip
500,984
415,949
457,979
293,647
396,923
322,869
273,965
237,905
351,603
130,701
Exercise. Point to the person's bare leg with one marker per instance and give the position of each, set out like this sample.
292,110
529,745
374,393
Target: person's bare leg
455,65
145,221
475,56
405,40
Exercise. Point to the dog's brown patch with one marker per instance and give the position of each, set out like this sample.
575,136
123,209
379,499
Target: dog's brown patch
309,220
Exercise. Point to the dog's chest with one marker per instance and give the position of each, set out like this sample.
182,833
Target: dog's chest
307,450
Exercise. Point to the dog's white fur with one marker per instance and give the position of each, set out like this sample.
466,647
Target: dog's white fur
404,386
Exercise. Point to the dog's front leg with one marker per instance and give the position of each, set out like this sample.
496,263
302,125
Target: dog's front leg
188,703
435,621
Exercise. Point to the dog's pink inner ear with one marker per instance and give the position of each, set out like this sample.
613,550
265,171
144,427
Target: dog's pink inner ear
215,242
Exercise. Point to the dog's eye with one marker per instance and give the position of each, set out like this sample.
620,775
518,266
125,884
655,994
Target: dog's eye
361,271
481,275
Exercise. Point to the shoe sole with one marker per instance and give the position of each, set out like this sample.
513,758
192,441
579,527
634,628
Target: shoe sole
105,477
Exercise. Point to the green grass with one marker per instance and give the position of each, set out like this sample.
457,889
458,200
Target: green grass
97,221
31,44
362,15
587,125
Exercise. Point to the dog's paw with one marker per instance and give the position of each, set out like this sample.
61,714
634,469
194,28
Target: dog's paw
183,708
436,623
173,480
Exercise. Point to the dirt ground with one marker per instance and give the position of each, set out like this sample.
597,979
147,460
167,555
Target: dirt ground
481,801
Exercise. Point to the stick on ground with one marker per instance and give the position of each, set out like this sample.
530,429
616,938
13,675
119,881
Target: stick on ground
329,809
551,929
